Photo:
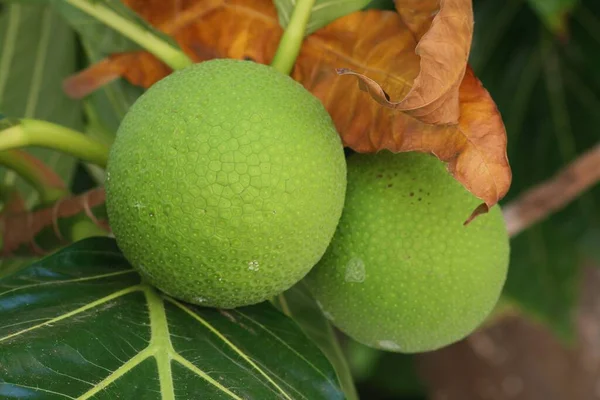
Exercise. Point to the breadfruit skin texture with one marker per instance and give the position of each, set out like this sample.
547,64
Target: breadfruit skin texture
225,183
402,272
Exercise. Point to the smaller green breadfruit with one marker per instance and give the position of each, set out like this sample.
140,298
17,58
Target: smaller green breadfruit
402,272
225,183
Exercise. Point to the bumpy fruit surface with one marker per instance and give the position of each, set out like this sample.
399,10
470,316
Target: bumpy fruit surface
225,183
402,272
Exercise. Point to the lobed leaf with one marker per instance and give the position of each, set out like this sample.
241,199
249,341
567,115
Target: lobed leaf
81,324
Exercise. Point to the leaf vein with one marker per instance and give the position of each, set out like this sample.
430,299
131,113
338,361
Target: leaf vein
74,312
230,344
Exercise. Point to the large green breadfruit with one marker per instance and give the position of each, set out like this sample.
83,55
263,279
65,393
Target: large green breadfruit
225,183
402,272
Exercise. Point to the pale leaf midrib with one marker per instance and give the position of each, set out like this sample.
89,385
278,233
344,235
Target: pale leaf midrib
177,357
160,342
231,345
50,283
40,389
79,310
162,349
119,372
264,328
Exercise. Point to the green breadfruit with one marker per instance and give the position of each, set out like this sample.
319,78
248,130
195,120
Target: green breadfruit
225,183
402,272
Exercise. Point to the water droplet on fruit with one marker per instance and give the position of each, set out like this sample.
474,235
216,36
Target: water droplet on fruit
253,265
389,345
199,300
355,271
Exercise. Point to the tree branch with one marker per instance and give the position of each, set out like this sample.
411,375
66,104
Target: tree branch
548,197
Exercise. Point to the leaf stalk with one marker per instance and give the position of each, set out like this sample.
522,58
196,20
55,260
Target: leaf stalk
293,37
32,173
31,132
170,55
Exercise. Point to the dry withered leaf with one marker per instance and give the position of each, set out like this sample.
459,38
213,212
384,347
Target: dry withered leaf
51,178
242,29
417,15
148,70
20,227
444,52
474,148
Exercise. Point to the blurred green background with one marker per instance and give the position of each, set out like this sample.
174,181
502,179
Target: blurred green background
540,60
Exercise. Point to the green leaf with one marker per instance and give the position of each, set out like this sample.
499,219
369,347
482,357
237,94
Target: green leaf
299,304
106,40
548,92
323,12
106,107
553,12
37,51
81,324
14,264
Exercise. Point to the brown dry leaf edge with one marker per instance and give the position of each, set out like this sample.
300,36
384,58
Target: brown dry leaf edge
375,44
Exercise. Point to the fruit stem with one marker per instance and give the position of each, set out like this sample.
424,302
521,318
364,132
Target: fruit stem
33,173
31,132
293,36
170,55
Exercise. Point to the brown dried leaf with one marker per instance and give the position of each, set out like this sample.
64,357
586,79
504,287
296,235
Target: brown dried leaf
148,70
417,15
474,148
444,51
13,203
241,29
50,178
20,227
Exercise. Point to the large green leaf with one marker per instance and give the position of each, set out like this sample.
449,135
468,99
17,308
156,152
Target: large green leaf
37,51
81,324
548,91
299,304
323,12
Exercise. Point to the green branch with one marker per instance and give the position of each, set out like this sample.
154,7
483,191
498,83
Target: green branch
33,173
30,132
171,56
293,37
